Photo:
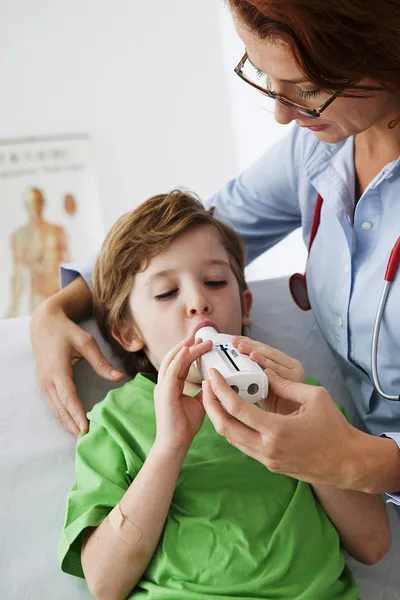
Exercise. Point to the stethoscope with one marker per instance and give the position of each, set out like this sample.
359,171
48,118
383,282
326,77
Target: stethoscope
299,292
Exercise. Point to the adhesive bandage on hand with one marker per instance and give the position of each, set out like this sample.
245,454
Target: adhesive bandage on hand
124,529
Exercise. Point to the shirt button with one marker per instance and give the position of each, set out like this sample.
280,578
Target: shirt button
340,321
347,269
366,225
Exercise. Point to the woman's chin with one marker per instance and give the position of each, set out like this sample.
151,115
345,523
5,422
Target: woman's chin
330,136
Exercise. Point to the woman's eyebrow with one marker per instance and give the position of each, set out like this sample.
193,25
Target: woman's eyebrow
294,81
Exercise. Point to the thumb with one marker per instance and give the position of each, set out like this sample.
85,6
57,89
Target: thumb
100,364
286,389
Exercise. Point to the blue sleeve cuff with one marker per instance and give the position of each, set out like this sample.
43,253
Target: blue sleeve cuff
393,498
83,268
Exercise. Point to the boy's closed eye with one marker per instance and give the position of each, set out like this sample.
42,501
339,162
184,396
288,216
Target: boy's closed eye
171,293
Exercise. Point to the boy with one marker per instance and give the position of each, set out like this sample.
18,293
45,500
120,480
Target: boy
163,507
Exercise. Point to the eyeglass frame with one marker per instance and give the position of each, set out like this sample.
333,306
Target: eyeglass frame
313,113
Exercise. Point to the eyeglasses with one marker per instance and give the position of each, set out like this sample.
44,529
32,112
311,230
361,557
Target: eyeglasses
306,111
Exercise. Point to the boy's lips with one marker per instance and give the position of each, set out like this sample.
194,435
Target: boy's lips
202,324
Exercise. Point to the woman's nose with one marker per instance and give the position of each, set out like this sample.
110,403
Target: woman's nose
284,114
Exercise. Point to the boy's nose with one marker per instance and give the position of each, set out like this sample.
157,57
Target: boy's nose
195,311
199,306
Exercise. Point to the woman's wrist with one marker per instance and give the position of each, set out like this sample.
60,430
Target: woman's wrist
373,465
75,301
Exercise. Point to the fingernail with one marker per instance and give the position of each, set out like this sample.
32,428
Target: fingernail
211,372
114,373
82,426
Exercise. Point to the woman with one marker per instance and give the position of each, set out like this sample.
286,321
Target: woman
333,67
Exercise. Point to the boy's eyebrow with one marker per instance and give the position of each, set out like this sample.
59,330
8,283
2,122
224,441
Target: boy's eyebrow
166,272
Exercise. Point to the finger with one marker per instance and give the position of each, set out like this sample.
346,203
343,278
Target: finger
90,350
180,366
169,357
68,398
301,393
246,345
62,417
267,363
187,359
253,453
173,380
224,424
240,409
197,350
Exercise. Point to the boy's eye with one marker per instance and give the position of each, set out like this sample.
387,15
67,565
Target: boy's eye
166,295
219,283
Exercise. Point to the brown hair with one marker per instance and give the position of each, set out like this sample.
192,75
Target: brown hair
135,239
336,43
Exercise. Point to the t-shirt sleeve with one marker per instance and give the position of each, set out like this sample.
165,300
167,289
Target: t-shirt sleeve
262,203
102,478
72,270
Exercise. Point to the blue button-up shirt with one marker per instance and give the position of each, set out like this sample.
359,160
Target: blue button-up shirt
346,267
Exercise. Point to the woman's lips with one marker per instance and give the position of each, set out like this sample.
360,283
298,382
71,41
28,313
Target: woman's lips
316,127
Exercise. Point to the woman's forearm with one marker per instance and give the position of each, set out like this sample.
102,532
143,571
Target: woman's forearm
360,519
373,465
75,300
112,566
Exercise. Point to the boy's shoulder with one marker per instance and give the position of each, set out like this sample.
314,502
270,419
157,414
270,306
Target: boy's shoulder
128,400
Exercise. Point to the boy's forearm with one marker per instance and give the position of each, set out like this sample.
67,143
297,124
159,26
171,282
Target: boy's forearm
360,519
75,300
112,566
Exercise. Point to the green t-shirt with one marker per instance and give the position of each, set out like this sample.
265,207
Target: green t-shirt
234,529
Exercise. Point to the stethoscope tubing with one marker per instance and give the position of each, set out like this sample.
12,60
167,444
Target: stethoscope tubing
391,270
298,282
375,340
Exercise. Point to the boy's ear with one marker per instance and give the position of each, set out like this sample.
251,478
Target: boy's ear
128,338
247,304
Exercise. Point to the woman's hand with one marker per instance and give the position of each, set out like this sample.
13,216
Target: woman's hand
58,344
179,416
315,444
279,362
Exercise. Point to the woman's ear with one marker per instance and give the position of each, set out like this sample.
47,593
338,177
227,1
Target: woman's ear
128,338
247,304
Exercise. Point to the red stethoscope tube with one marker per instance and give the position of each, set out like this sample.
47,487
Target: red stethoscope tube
298,281
298,290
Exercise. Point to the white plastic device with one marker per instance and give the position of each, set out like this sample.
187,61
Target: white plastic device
241,373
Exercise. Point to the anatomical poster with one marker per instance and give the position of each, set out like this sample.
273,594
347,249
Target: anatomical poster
49,215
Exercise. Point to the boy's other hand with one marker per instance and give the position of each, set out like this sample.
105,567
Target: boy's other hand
280,363
178,416
58,343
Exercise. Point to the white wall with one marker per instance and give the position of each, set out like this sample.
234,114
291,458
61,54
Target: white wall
152,82
146,79
255,131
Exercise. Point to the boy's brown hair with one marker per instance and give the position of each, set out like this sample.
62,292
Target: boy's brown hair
135,239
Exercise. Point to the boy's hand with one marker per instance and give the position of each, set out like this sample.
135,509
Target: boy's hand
278,362
178,416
